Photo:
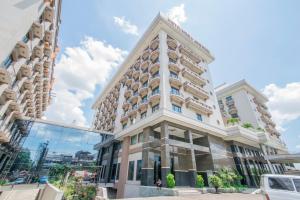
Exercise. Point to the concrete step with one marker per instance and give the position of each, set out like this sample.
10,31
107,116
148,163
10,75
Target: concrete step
189,192
20,194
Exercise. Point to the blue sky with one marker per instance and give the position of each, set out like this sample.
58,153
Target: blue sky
256,40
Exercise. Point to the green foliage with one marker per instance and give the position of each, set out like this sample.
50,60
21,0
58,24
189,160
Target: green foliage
200,181
260,129
23,161
58,172
215,181
232,121
247,125
170,181
229,177
3,182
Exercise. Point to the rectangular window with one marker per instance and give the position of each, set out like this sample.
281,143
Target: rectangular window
138,170
155,91
7,62
173,74
145,84
176,108
155,108
118,171
124,125
281,183
144,99
156,74
25,38
141,137
133,140
143,115
113,171
174,90
199,117
134,106
131,170
234,115
229,98
297,184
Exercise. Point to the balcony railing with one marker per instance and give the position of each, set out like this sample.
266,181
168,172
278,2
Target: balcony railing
198,106
194,77
191,64
195,90
177,97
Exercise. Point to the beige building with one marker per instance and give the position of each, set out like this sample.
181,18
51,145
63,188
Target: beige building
28,42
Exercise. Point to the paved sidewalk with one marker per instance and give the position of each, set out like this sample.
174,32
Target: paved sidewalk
224,196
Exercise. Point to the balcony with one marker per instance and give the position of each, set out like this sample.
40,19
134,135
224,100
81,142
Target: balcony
146,54
145,65
172,44
20,51
175,81
174,67
154,68
136,74
137,65
47,64
194,77
154,81
37,52
124,118
232,110
25,71
38,67
154,98
198,106
126,105
195,90
154,44
113,116
172,54
154,55
4,76
49,14
184,60
143,105
132,112
143,91
129,72
6,92
47,51
134,98
48,36
177,97
189,53
144,76
135,85
127,94
28,84
128,82
36,31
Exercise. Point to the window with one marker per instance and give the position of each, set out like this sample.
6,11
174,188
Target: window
234,115
241,150
113,171
143,115
155,91
155,108
26,38
229,98
103,171
173,74
124,125
233,148
141,137
7,61
156,74
176,108
174,90
297,184
118,171
135,93
144,99
138,170
134,106
281,183
145,84
199,117
133,140
131,170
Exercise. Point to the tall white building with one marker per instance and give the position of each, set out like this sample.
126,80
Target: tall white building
28,43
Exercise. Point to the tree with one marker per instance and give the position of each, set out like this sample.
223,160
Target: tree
23,161
247,125
215,181
170,181
232,121
200,181
58,172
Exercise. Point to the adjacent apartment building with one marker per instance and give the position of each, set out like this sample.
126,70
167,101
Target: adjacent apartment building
165,118
28,43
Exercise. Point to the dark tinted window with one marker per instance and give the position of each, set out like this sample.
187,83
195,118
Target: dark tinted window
297,184
281,184
139,170
130,170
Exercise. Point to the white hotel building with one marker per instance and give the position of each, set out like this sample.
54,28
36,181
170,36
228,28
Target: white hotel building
163,111
28,43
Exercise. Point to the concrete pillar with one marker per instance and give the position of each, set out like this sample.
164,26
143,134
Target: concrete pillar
147,168
165,153
123,167
192,169
164,70
265,151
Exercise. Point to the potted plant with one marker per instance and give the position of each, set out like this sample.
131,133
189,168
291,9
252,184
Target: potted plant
170,181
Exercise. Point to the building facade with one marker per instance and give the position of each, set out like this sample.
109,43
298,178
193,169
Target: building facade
163,112
28,40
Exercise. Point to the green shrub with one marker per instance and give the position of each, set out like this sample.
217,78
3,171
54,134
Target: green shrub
215,181
200,181
247,125
3,182
170,181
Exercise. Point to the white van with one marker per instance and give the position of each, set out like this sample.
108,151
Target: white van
280,187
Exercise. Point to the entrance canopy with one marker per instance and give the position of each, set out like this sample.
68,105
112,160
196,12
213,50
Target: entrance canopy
284,158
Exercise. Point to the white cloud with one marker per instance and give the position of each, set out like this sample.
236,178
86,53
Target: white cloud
284,102
177,14
126,25
77,73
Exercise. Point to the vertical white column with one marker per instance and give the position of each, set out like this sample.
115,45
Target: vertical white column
163,71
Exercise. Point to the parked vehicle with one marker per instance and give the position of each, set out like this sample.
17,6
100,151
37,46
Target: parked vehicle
280,187
43,179
19,181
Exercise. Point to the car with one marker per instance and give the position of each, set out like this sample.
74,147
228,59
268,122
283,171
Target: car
19,181
43,180
280,187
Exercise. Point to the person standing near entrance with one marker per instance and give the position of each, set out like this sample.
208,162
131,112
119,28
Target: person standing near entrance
158,184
